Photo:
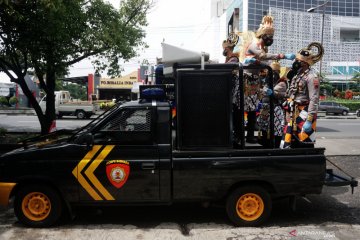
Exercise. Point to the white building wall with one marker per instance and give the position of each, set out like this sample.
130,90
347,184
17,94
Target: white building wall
209,36
295,30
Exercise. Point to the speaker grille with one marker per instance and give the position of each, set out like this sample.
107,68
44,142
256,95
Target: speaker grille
204,108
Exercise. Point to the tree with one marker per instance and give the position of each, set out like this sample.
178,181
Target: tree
356,81
48,36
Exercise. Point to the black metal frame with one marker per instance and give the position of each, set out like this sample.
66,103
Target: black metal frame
239,67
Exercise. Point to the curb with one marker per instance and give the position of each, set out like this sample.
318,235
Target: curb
18,111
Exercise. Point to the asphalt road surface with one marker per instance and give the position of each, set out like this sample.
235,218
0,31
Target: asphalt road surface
330,128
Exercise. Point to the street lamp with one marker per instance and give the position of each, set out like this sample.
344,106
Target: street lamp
322,25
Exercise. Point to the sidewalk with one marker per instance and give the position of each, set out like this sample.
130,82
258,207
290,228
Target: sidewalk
350,146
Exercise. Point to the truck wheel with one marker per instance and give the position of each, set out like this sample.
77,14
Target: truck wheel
80,114
344,113
37,206
249,206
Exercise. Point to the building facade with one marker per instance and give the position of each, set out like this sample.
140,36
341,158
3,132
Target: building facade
296,28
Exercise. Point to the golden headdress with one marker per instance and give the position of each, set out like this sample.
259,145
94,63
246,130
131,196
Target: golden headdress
308,56
231,40
266,26
275,65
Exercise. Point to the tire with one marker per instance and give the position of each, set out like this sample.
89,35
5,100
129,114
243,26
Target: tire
344,113
37,206
80,114
358,114
249,206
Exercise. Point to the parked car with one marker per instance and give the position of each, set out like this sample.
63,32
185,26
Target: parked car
333,107
358,112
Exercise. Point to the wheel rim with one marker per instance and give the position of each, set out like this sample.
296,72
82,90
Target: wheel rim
80,115
36,206
250,207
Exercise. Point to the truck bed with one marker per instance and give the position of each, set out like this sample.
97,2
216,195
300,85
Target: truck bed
284,172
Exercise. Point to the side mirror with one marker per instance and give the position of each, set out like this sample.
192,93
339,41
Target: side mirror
89,140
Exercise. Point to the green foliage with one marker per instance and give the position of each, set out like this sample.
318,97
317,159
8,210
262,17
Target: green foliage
326,87
13,100
76,91
3,101
2,131
353,105
51,35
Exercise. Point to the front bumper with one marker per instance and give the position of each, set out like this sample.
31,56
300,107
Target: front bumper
5,191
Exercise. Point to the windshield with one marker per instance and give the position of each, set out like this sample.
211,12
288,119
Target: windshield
94,122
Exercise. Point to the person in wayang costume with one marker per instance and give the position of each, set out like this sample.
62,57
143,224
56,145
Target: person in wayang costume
254,50
302,104
280,86
231,57
228,51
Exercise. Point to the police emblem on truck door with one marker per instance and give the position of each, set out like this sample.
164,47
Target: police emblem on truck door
117,171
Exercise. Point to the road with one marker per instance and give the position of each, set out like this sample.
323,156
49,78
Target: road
328,128
331,132
334,214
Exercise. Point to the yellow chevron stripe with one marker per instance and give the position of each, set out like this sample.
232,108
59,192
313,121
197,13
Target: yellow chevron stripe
82,164
90,172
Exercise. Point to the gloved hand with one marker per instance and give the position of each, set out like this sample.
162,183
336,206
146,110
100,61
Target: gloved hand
307,126
249,60
289,56
269,92
258,107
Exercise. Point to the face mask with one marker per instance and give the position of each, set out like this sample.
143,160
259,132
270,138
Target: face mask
296,66
225,53
268,41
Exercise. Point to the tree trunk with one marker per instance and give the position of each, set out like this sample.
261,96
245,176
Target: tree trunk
42,119
50,115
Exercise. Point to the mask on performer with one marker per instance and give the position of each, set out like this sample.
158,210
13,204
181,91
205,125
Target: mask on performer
296,66
225,52
268,40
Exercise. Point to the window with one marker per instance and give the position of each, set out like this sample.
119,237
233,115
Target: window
325,103
349,35
130,126
138,120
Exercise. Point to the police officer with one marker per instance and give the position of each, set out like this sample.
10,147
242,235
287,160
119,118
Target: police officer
302,104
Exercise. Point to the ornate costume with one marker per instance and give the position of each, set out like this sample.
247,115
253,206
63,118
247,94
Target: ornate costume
231,57
257,49
302,104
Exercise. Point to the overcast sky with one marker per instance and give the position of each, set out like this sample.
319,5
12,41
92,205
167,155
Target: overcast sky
171,20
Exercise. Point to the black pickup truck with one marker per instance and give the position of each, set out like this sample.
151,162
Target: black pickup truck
138,152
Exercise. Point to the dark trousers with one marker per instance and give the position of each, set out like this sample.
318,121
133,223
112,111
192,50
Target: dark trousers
251,124
236,123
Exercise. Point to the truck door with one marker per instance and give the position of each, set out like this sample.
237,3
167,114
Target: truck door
126,159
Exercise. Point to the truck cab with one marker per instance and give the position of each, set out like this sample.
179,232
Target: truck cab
65,105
